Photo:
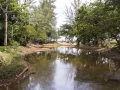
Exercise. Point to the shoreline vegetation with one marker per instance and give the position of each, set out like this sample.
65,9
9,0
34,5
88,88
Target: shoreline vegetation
12,66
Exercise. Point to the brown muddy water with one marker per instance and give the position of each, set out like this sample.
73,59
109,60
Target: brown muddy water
68,68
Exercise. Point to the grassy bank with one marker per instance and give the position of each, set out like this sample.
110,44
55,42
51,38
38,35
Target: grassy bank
11,62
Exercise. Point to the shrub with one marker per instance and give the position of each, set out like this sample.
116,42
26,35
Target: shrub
113,42
5,49
14,43
11,70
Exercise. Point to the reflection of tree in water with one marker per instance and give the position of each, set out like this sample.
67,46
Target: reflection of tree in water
43,65
91,69
112,67
88,62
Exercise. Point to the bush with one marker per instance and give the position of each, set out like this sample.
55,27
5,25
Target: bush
27,33
113,42
116,49
5,49
11,70
1,59
14,43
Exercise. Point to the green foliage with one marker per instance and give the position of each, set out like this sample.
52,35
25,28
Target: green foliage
97,22
44,20
42,35
31,22
54,34
11,70
67,31
14,43
113,42
15,56
12,50
1,59
5,61
27,33
5,49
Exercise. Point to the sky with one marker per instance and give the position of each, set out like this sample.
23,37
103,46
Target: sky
60,9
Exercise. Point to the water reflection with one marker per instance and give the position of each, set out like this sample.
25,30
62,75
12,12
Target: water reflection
43,64
67,68
64,76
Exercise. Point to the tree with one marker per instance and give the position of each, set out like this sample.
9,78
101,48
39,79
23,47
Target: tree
90,23
7,6
5,12
26,34
71,12
43,18
113,8
66,30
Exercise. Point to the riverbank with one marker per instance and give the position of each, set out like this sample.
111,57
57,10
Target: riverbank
33,48
9,53
104,52
6,53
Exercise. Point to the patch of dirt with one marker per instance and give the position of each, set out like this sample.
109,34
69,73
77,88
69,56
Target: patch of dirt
33,48
4,55
67,44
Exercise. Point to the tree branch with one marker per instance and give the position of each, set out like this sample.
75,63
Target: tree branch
71,12
1,7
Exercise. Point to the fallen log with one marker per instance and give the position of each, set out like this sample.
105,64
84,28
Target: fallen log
27,74
24,70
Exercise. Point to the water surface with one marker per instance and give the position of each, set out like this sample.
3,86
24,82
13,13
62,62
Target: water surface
67,68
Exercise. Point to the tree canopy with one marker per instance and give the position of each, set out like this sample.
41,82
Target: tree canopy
25,22
97,22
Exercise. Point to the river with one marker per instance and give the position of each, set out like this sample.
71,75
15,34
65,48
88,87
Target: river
69,68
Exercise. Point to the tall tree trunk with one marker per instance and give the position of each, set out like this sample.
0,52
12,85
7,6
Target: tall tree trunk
6,25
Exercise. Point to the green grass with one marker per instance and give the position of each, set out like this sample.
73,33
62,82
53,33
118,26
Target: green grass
13,63
12,54
5,49
113,42
11,70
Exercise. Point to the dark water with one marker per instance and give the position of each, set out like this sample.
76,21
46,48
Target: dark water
66,68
